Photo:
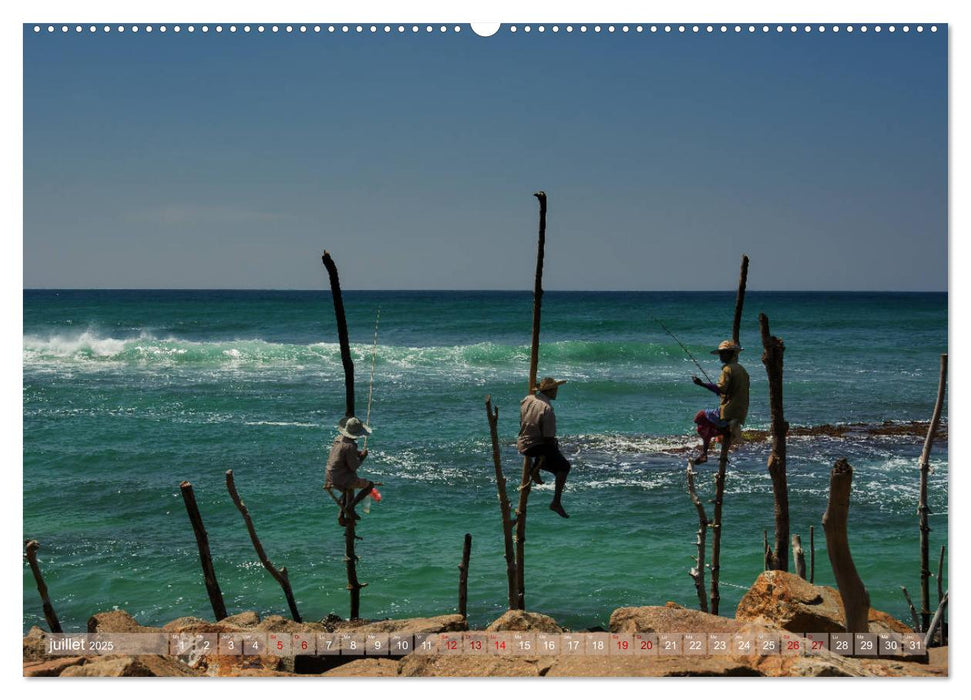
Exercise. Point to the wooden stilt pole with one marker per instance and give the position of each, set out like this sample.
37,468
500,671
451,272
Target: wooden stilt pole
504,511
773,349
350,561
202,540
922,508
716,534
335,288
464,576
31,552
940,594
938,616
856,599
740,300
526,483
697,572
280,575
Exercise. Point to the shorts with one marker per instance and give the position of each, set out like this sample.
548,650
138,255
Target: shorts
554,463
355,483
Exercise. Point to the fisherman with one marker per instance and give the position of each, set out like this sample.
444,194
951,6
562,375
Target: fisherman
732,389
537,438
342,464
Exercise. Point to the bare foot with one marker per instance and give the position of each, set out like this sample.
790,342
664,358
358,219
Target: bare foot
558,509
535,475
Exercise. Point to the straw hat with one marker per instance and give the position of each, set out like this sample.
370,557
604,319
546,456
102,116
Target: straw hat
549,383
353,428
727,345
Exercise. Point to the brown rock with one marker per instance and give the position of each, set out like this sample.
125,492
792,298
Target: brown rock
464,666
110,667
669,618
367,668
250,618
792,603
116,621
35,645
655,667
224,666
51,667
414,625
522,621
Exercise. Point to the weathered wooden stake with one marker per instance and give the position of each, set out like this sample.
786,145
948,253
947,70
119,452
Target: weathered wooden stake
766,552
697,573
525,485
507,538
280,575
464,576
922,508
812,554
202,540
799,557
913,610
856,599
31,551
940,595
740,300
773,349
335,288
716,535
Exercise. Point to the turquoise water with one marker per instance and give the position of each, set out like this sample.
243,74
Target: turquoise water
127,393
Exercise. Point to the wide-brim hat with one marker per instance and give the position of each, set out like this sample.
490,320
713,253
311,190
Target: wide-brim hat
549,383
352,427
727,345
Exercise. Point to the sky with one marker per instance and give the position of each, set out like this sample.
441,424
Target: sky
233,160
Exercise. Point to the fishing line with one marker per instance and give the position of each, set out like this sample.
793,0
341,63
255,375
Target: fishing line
687,352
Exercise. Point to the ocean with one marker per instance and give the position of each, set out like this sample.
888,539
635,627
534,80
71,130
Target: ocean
127,393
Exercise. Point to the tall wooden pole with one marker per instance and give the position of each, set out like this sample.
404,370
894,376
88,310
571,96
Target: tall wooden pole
31,551
716,525
697,573
526,482
740,299
335,288
922,508
350,561
280,575
773,349
856,599
504,511
202,541
464,576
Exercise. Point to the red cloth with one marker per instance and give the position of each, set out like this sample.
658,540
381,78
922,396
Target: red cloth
706,429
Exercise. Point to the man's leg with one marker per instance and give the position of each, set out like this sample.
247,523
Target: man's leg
362,494
557,463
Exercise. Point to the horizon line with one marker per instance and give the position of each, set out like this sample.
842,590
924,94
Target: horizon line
416,289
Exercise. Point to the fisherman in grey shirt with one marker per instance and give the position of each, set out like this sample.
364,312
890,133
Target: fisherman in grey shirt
342,465
537,438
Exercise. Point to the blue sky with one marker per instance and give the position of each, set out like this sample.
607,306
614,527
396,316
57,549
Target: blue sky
232,161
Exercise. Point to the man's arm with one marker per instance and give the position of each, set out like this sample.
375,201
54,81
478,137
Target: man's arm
715,388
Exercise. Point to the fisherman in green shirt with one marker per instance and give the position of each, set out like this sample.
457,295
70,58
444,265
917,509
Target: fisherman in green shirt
732,389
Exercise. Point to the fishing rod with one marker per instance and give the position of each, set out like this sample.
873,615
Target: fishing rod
687,352
370,389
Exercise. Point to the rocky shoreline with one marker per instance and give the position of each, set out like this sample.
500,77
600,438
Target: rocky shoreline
777,602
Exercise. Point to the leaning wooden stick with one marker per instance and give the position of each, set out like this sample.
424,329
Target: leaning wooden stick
929,637
772,352
279,574
526,483
716,525
740,300
697,573
31,551
922,508
493,415
856,599
202,541
335,288
464,576
913,611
